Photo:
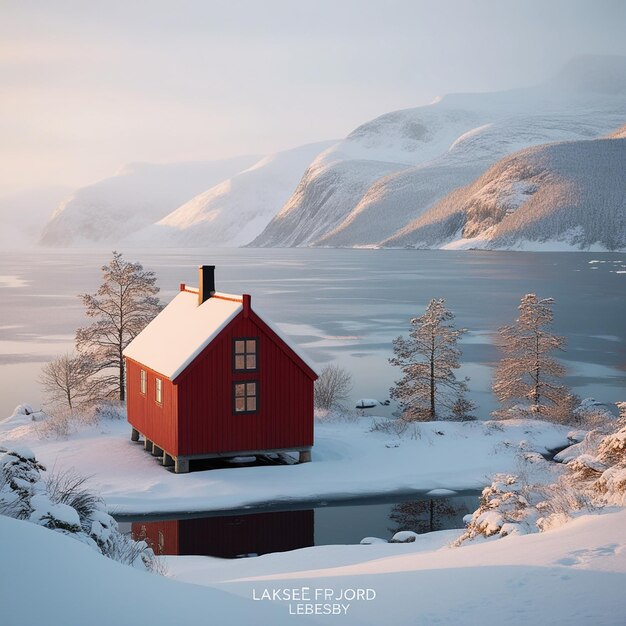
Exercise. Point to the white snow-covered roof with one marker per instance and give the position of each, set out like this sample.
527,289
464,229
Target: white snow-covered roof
175,337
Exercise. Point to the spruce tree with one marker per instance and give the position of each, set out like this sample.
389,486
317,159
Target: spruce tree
528,373
429,389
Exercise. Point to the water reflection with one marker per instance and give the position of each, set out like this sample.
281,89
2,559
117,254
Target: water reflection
245,533
229,536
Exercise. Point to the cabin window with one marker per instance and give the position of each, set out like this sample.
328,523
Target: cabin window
161,542
158,391
143,382
245,353
246,396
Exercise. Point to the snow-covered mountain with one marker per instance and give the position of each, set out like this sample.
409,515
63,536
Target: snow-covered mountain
139,195
367,188
569,194
235,210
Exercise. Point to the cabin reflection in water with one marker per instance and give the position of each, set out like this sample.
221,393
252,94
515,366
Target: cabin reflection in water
229,536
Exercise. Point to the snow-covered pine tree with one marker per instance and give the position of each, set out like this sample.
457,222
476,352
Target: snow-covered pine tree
528,373
123,305
429,389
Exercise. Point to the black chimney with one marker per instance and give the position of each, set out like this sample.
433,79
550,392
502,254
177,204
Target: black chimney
206,282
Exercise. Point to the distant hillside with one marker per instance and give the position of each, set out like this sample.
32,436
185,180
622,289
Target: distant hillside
25,213
139,195
235,210
369,187
570,194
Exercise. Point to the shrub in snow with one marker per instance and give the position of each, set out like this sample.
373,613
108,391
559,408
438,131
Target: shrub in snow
367,541
597,465
560,501
504,510
19,481
595,476
336,415
612,448
63,504
611,484
397,427
67,380
63,421
592,415
332,387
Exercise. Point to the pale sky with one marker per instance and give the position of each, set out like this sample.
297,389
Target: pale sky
86,87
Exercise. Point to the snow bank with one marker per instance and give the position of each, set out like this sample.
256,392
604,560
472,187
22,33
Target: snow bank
349,461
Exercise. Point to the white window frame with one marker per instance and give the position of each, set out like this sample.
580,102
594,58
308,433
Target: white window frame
143,382
158,391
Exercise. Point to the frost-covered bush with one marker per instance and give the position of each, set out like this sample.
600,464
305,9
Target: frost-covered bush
62,503
504,509
20,480
332,387
611,484
597,465
397,427
592,415
63,421
594,476
560,501
336,415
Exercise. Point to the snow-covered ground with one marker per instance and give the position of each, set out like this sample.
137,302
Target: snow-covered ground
574,574
349,461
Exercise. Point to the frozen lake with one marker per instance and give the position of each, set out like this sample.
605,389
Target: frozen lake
340,305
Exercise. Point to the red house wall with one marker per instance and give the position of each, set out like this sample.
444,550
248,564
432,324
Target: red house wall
158,422
284,418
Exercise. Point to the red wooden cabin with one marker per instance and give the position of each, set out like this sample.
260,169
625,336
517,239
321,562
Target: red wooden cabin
209,378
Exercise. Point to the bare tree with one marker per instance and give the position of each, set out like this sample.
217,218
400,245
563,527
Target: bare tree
67,380
332,387
528,372
124,303
429,388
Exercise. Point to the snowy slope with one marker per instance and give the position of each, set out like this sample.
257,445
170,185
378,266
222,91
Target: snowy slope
138,195
48,578
236,210
389,171
572,192
573,575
